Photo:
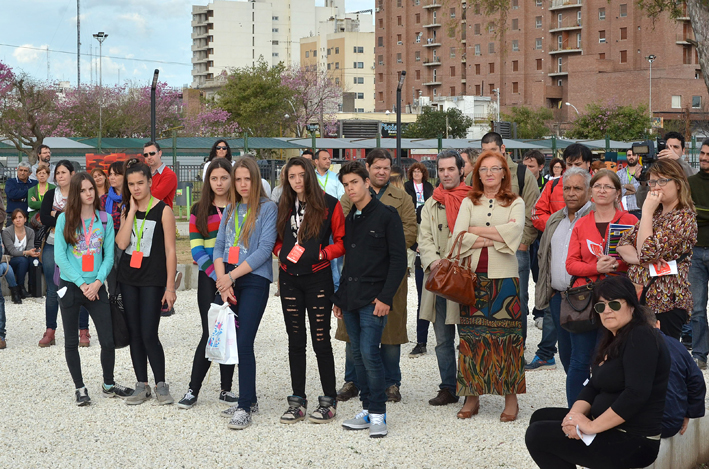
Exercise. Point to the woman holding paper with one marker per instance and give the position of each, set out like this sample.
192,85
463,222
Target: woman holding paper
205,218
663,241
307,219
244,266
146,277
587,261
620,409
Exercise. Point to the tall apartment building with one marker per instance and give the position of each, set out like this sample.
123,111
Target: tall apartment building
548,52
233,33
348,57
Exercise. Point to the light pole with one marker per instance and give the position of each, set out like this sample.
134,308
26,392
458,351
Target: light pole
497,92
100,37
651,58
398,117
577,111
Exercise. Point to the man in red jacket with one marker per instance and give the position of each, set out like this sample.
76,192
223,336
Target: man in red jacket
164,179
551,199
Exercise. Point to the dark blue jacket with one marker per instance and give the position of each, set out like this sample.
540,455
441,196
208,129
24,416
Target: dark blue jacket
685,389
16,193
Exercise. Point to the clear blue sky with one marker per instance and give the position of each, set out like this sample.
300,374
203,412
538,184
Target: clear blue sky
155,31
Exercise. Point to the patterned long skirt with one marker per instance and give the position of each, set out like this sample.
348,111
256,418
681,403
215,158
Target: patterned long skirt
491,358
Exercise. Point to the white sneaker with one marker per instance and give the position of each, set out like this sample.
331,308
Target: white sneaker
377,425
539,323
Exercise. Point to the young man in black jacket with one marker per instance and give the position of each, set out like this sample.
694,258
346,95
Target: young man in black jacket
375,252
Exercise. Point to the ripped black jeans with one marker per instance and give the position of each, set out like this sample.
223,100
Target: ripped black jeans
311,292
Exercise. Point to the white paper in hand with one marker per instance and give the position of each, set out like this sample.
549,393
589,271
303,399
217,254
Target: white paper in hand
658,270
587,439
61,292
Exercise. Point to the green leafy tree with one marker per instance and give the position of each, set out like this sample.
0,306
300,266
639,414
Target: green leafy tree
431,123
623,123
257,98
531,123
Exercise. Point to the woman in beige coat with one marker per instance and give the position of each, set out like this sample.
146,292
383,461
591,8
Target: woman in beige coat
491,357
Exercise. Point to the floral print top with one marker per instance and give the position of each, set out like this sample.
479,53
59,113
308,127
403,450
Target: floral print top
673,235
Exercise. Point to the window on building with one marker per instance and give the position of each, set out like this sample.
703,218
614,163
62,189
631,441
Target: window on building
307,54
538,22
676,102
398,3
452,54
337,80
381,96
601,36
539,64
515,65
696,102
275,43
623,34
274,18
417,74
560,65
477,49
452,71
452,12
492,88
398,58
515,24
417,55
477,90
538,43
380,59
602,56
491,28
274,54
491,47
578,40
380,41
559,82
360,95
381,23
491,67
539,3
398,20
515,4
328,66
274,30
559,42
515,87
359,65
477,69
623,10
329,51
515,45
337,50
476,29
624,56
418,18
601,14
398,39
560,20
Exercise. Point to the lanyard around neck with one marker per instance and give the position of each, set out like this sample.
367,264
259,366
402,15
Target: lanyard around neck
139,234
323,185
237,226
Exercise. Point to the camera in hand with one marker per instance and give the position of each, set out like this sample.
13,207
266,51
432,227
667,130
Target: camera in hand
646,150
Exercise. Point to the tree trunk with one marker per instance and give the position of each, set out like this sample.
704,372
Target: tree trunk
698,11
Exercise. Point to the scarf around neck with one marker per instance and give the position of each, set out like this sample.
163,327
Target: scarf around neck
112,198
451,200
59,202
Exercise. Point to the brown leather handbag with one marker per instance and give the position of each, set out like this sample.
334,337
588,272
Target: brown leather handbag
452,279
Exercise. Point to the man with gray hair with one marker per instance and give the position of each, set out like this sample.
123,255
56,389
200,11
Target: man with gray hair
553,277
16,189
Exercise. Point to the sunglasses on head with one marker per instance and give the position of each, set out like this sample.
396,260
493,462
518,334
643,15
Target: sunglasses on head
600,307
221,148
150,153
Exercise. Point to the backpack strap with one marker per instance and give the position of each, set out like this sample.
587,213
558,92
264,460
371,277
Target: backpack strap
520,177
554,184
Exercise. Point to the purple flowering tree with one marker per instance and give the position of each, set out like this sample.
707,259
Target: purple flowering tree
315,99
210,121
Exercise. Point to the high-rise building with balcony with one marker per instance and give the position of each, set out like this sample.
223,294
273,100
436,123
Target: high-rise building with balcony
547,53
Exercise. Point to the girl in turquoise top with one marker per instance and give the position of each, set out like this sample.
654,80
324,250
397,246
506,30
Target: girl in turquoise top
83,251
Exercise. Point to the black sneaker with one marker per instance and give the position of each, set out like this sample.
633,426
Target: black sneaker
393,394
82,397
417,351
188,400
116,391
228,398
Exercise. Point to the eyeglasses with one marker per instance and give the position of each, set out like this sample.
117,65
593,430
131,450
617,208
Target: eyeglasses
600,307
658,182
222,148
604,187
493,170
150,153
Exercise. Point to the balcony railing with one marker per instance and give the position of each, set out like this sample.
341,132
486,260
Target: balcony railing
566,25
432,4
561,4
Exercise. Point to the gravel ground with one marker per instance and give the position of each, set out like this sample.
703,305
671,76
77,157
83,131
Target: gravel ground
41,426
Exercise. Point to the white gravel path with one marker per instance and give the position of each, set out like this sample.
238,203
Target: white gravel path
41,427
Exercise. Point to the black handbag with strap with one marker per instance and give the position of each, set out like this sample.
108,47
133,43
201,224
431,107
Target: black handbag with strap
576,310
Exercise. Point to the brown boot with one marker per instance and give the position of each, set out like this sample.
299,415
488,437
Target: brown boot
48,338
84,338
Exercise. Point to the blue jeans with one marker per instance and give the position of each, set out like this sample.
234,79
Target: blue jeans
562,335
51,307
390,354
421,324
445,347
10,276
698,278
336,267
251,293
2,315
547,346
21,265
365,331
523,266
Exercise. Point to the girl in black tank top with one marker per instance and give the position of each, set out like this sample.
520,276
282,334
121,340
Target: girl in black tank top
146,277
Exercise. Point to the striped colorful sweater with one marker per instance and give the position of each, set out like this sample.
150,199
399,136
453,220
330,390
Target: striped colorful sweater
202,248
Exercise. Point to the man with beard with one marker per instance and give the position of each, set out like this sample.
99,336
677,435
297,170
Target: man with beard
629,180
44,154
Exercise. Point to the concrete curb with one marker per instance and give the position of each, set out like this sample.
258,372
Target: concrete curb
685,451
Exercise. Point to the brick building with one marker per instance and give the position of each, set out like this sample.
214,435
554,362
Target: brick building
545,53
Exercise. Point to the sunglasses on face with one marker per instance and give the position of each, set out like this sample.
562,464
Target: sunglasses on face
150,153
600,307
221,148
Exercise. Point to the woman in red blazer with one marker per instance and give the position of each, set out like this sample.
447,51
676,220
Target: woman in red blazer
587,261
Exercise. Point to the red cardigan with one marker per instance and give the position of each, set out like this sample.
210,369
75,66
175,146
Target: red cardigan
580,261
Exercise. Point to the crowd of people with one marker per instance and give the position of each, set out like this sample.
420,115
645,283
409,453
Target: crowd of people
628,379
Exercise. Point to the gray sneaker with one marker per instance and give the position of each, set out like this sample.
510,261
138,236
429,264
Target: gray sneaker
139,395
701,363
229,413
240,420
82,397
360,422
162,392
377,425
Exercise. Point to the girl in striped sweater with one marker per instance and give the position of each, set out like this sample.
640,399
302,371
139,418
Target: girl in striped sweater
204,225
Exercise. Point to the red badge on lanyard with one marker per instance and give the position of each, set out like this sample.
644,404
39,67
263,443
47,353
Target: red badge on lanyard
295,253
136,259
233,255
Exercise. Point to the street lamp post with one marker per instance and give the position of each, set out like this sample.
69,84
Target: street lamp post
398,117
651,58
497,92
577,111
100,37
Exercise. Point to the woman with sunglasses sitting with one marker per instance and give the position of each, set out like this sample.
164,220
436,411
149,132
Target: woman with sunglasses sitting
620,408
663,241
